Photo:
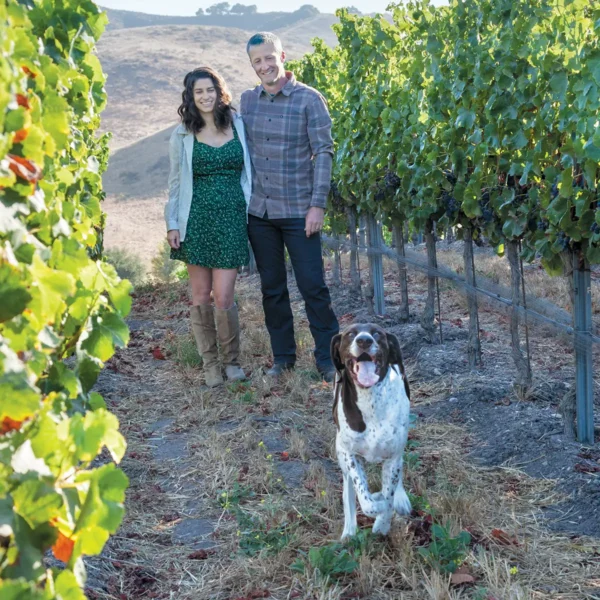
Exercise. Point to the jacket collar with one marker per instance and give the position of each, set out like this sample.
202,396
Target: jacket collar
286,90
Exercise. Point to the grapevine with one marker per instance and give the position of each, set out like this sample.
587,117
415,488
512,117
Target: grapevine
58,301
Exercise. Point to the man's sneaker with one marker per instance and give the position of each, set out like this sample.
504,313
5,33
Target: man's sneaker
278,368
327,373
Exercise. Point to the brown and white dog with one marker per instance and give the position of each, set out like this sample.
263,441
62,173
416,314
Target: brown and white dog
371,411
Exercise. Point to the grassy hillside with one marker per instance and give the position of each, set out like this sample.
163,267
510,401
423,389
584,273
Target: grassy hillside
120,19
145,67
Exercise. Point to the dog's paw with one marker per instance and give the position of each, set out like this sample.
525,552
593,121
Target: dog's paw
382,524
373,508
401,502
348,532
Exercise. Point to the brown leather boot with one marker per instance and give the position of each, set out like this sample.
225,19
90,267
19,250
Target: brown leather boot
228,330
205,334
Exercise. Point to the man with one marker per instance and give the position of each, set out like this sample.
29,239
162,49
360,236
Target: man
289,137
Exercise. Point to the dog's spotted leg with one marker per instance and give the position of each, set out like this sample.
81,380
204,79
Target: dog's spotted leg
389,480
349,508
399,498
352,468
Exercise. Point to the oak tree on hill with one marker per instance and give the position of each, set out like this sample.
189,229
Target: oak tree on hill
221,8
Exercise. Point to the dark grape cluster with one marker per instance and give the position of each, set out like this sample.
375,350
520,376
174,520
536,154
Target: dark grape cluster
337,201
487,214
380,195
595,227
554,191
542,224
392,181
563,240
451,177
450,204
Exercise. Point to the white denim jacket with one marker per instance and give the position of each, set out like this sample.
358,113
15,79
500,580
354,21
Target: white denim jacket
181,147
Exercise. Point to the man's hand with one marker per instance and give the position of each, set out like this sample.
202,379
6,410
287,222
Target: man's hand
173,238
314,220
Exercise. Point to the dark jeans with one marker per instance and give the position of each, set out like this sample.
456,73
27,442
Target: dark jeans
268,238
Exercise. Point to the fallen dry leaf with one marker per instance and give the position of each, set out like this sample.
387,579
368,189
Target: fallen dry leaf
200,554
462,577
504,538
583,468
285,456
158,354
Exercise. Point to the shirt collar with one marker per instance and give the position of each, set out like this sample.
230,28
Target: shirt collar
286,90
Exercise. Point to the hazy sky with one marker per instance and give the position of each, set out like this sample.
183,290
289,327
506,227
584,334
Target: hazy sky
189,7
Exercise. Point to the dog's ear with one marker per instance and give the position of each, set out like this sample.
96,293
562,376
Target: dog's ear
394,352
395,358
336,357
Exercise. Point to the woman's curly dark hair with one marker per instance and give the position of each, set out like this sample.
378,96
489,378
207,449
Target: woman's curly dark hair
189,113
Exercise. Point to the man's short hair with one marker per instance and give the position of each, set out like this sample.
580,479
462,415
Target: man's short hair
264,37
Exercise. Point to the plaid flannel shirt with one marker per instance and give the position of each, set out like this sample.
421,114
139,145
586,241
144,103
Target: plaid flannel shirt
289,139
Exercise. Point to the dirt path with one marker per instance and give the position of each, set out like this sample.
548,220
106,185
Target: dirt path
235,493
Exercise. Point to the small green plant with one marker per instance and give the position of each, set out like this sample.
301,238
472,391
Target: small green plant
163,268
257,536
127,264
184,351
445,553
244,394
231,499
362,542
412,420
181,273
482,594
238,387
335,560
411,457
419,503
332,561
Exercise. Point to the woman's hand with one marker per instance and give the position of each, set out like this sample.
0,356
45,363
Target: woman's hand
173,238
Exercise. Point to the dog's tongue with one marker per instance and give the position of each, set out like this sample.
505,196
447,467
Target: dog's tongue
365,373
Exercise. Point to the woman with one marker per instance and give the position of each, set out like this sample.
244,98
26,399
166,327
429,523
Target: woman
209,191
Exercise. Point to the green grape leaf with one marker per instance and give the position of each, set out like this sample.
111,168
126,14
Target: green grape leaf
108,330
14,296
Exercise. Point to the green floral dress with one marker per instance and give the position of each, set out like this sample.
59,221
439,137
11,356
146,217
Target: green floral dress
217,235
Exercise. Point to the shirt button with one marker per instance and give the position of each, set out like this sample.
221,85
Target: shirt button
266,159
266,178
268,197
269,119
268,139
272,100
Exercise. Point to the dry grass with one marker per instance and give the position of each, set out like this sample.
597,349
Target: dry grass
218,455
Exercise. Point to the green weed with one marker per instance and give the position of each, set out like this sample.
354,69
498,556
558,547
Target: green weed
127,264
243,392
445,553
184,351
332,561
337,559
411,457
231,499
257,536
